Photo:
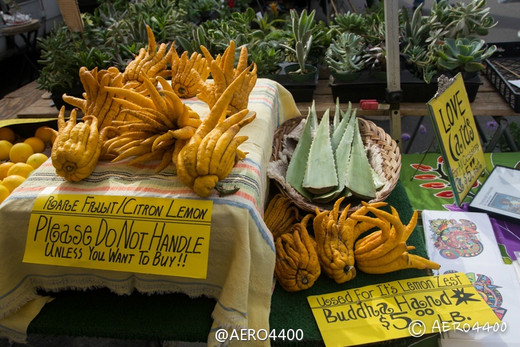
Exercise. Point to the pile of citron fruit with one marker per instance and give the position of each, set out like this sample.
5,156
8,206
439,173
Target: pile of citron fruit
19,157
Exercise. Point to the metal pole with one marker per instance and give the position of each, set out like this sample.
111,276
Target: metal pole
393,91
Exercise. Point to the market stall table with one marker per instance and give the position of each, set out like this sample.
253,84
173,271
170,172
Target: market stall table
239,287
177,317
241,249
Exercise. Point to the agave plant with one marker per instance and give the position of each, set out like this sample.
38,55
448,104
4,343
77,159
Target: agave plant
345,53
464,54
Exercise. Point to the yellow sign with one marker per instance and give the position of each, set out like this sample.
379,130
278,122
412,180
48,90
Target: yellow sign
461,148
132,234
397,309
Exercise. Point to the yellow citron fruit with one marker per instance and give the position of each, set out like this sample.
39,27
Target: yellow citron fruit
21,169
20,152
36,143
7,134
5,147
37,159
4,192
45,134
4,167
13,181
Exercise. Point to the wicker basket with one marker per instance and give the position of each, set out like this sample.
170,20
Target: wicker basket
372,135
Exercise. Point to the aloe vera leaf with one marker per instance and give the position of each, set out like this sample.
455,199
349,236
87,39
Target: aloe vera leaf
327,197
320,173
313,118
338,133
379,182
359,179
298,162
337,116
343,152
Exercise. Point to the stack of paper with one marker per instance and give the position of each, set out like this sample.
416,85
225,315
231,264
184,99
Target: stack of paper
465,242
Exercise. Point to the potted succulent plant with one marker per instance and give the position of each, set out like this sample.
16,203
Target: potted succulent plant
298,75
465,55
344,56
301,26
439,43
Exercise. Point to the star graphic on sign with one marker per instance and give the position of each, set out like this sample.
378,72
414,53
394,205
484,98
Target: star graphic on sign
462,297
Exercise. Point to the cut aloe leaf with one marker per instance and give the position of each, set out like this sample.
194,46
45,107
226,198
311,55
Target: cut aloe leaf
320,174
298,163
379,182
342,126
327,197
337,116
343,152
312,117
359,178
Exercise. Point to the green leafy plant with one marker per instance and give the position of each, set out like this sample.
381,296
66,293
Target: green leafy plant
62,54
112,36
267,57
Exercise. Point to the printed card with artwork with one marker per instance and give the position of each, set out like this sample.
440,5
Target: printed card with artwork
465,242
500,289
460,238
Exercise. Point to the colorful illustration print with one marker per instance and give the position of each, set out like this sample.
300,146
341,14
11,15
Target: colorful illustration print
455,239
488,291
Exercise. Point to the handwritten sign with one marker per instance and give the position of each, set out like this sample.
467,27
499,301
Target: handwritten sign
399,309
460,144
134,234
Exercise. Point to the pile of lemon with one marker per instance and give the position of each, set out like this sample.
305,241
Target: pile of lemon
19,157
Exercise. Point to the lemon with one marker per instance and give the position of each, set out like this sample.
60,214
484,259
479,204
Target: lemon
4,192
37,159
45,134
13,181
5,147
7,134
20,152
21,169
4,167
36,143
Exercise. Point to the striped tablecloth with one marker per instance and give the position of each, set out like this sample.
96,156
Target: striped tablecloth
241,253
